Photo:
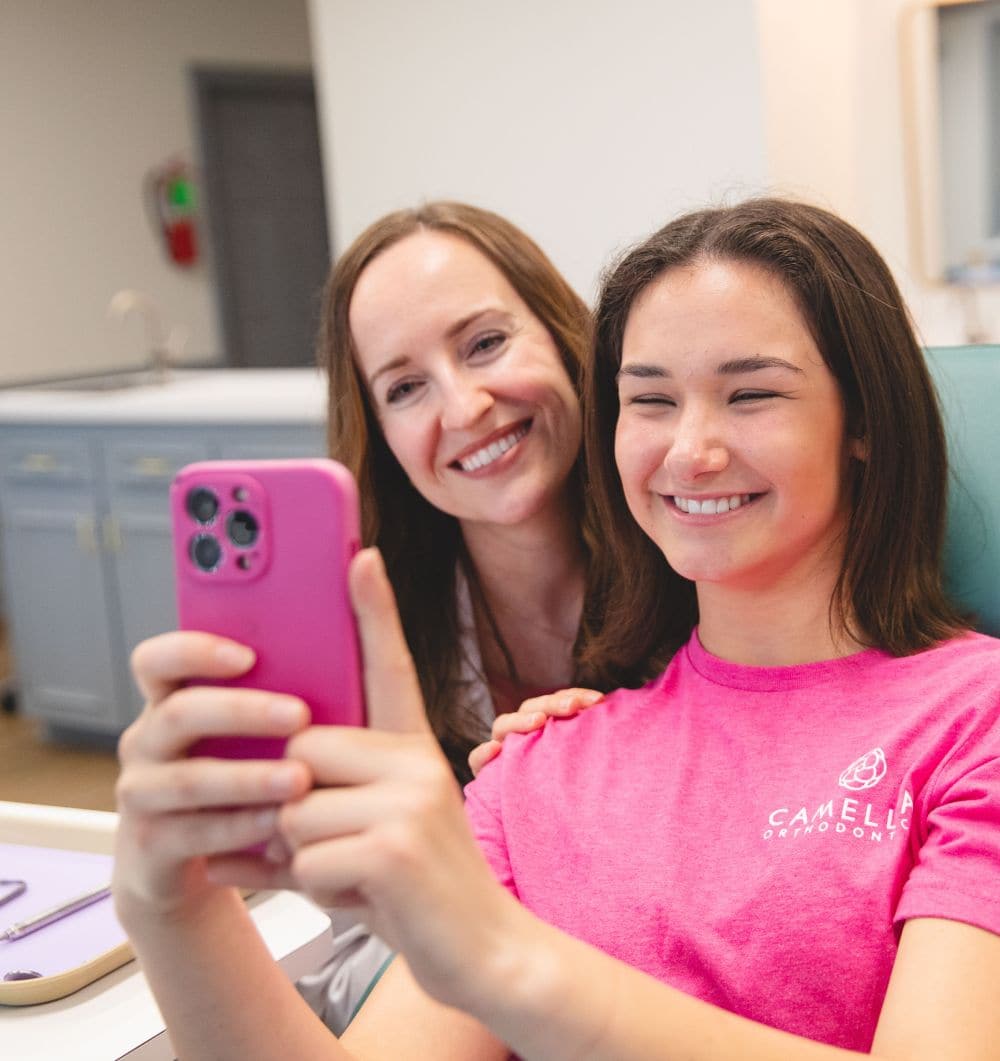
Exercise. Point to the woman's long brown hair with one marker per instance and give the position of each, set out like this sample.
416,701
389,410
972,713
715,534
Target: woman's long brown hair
422,546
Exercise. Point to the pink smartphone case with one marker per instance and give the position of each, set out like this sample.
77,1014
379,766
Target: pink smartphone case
285,594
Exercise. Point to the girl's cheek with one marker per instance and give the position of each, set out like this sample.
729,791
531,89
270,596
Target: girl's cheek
638,451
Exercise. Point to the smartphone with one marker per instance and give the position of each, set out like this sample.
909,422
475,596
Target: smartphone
261,550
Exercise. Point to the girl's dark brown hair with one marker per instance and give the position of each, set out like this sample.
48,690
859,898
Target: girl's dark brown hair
889,593
422,546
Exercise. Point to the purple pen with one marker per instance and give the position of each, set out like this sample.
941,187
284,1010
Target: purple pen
54,913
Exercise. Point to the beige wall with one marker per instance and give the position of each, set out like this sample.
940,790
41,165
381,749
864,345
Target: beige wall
91,96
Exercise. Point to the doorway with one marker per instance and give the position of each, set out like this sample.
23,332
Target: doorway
263,195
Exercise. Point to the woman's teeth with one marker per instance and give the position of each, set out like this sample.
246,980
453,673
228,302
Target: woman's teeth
495,450
710,506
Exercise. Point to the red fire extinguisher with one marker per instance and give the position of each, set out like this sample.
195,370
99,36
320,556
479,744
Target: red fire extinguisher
170,199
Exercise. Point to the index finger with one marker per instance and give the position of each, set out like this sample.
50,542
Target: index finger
164,663
392,690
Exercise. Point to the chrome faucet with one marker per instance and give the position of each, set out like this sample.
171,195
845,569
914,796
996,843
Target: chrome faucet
164,346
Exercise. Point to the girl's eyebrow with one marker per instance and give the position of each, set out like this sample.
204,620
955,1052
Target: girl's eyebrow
754,363
735,367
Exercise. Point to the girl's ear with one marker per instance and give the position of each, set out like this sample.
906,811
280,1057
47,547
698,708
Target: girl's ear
858,449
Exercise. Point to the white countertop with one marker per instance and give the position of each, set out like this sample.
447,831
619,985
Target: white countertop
290,395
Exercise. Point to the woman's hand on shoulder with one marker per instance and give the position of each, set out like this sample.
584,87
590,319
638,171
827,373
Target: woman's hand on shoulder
531,715
179,813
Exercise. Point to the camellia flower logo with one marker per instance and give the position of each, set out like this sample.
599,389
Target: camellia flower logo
865,772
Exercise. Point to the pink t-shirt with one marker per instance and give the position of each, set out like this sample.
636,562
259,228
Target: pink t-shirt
755,836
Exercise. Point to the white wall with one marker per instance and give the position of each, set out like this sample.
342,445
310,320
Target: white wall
834,120
588,124
91,96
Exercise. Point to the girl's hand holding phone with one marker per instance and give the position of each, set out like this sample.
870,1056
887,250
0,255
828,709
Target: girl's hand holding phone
178,813
384,827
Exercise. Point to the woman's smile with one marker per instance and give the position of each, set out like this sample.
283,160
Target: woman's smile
484,456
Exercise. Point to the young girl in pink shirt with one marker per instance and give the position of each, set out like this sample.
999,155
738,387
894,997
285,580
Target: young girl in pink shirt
787,846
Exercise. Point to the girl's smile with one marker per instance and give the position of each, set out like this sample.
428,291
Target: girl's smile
709,507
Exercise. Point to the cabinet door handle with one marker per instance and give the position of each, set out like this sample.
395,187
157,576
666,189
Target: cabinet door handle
39,462
86,538
111,532
152,467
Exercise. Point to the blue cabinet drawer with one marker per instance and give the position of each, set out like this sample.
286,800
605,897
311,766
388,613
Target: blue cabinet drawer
46,458
140,464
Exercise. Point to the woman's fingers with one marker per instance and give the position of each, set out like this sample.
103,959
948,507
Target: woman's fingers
392,690
167,729
531,715
161,664
482,754
562,704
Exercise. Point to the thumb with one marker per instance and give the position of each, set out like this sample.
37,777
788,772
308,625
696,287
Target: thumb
392,691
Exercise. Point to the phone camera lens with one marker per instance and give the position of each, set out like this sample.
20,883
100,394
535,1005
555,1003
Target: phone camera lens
202,504
206,552
242,529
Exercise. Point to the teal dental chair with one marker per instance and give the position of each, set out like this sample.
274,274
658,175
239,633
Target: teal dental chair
968,383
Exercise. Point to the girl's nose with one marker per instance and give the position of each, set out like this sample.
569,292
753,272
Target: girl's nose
463,404
695,450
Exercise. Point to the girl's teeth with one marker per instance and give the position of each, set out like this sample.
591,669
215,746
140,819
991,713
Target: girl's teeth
711,506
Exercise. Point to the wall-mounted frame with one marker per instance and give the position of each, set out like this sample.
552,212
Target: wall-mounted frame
950,61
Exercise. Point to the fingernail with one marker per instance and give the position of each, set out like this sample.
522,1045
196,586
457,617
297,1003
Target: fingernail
283,780
284,711
266,819
277,851
232,655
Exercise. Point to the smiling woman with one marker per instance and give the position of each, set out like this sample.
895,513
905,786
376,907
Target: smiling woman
472,396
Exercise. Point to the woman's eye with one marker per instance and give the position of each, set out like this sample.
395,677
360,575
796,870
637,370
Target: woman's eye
650,399
402,390
753,396
486,344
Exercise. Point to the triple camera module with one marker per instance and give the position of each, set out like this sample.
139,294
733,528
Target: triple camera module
241,528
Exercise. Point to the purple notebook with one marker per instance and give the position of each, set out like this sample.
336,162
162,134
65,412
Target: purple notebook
55,875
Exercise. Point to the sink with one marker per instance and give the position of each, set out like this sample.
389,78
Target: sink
108,381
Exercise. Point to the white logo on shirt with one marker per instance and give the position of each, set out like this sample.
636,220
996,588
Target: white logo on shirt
865,772
846,815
